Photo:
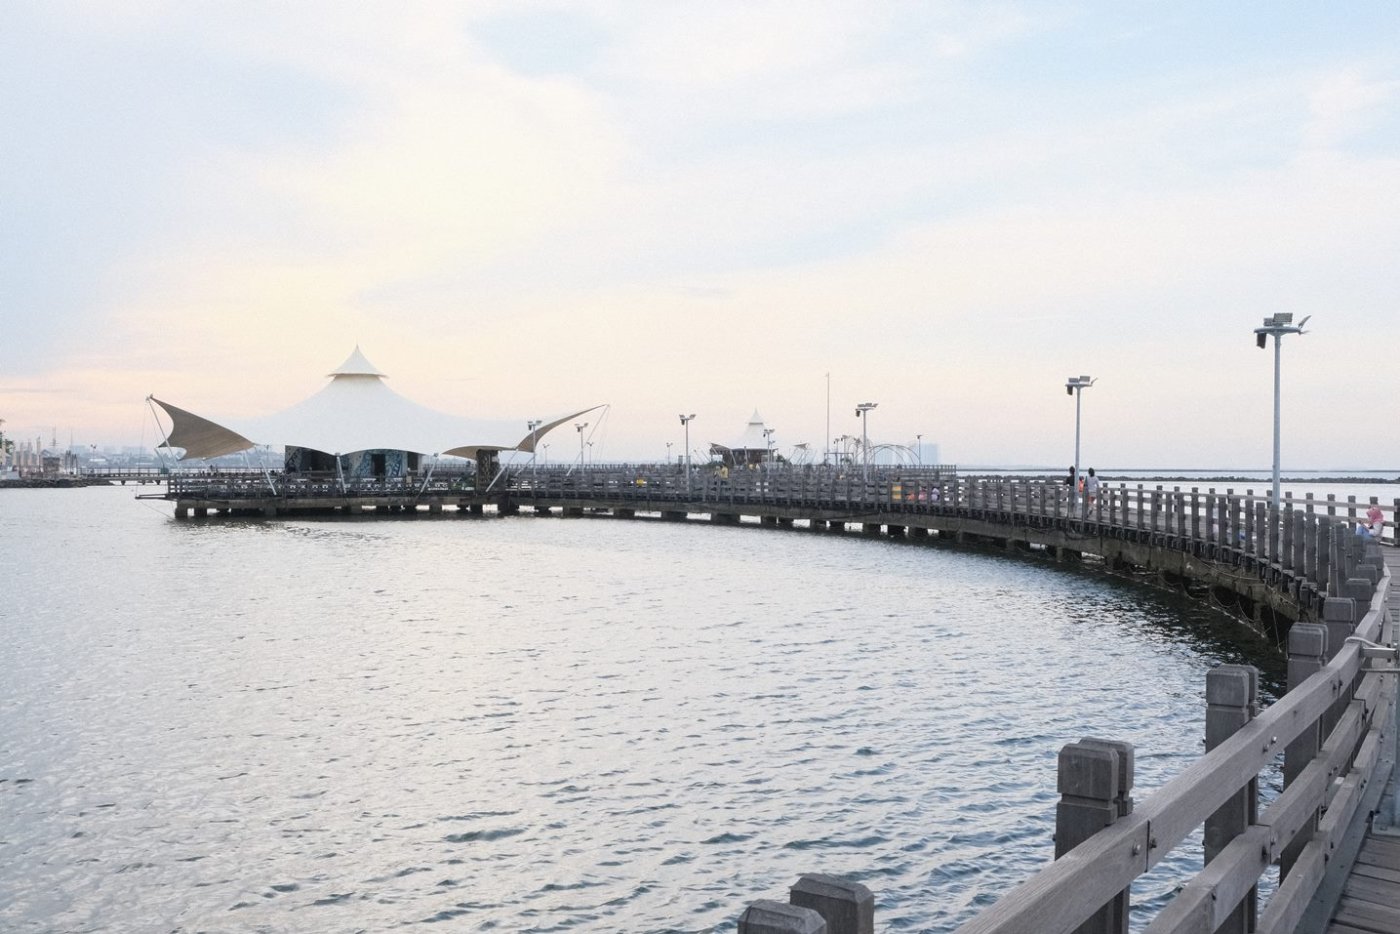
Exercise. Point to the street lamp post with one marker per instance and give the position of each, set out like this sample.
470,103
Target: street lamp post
546,453
668,452
1277,325
768,445
534,424
1075,386
579,426
863,413
920,455
685,423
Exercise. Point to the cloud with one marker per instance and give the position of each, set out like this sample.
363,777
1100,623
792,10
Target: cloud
1346,102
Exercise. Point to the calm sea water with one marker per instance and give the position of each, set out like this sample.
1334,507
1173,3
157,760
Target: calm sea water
535,724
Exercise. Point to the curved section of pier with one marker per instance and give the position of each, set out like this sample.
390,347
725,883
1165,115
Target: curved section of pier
1299,569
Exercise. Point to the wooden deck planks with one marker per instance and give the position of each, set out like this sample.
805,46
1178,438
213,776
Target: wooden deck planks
1370,902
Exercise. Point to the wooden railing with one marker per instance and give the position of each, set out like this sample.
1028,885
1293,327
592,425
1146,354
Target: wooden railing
1224,519
1331,727
260,487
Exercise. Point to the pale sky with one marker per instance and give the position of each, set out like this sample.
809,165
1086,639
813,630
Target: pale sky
517,209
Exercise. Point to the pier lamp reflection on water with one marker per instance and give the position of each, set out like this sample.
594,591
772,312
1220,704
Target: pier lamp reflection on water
534,724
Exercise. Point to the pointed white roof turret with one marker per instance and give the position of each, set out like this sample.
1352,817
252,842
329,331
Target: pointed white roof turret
753,438
356,365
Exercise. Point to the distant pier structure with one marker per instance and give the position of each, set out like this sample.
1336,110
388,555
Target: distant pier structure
356,439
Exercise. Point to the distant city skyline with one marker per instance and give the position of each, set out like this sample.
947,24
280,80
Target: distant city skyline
518,209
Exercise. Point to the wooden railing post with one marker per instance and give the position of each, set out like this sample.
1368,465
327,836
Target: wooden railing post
1307,651
766,916
846,907
1094,780
1232,700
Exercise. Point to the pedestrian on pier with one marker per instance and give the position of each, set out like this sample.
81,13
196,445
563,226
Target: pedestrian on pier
1375,519
1091,488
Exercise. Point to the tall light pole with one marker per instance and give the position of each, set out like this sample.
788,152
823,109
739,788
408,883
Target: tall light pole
920,455
668,452
768,444
579,426
685,423
863,413
546,453
534,424
1277,325
1075,386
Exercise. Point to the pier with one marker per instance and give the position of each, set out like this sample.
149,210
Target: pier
1299,572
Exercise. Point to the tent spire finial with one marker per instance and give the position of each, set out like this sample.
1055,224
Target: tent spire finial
356,365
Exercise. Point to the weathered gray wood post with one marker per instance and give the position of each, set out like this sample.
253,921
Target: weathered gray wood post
1094,780
1300,537
1307,651
1232,700
1249,524
1311,531
846,907
1263,549
1285,519
766,916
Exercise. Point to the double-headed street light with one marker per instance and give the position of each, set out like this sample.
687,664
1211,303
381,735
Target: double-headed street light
768,444
579,426
863,413
1075,386
1277,325
685,423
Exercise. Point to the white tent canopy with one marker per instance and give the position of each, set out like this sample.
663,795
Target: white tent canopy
356,411
753,438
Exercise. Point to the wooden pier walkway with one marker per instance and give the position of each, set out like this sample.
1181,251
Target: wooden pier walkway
1370,902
